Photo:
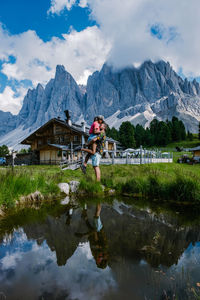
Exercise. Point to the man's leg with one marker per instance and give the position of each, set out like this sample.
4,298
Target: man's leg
97,173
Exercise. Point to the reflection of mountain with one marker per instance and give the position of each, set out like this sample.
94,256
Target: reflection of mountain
137,235
132,234
59,236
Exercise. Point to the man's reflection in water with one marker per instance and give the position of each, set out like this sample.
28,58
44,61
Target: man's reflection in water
97,238
69,217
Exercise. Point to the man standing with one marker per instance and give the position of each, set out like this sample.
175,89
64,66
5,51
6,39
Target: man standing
97,149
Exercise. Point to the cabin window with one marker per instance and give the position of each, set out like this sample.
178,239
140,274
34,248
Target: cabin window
57,129
59,153
67,139
56,139
64,153
61,139
76,138
39,142
49,141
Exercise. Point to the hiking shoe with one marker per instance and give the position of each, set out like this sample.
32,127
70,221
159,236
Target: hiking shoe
83,168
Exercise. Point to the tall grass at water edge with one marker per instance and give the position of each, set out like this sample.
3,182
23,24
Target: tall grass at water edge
23,182
171,181
157,182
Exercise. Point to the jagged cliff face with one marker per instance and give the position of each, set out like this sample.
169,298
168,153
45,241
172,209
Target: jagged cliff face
137,95
40,105
7,122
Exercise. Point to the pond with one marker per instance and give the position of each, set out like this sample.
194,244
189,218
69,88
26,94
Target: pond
118,249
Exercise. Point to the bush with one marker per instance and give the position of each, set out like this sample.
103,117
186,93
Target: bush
184,189
90,187
132,186
154,188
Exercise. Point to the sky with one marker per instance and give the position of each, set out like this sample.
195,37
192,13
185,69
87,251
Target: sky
36,35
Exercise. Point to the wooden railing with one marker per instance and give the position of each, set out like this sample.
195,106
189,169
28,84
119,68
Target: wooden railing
141,156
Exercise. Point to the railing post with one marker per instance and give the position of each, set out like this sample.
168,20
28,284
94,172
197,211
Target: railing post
126,158
113,158
140,154
71,151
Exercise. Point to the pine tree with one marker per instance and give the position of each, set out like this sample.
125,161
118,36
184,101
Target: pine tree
4,150
176,129
164,134
182,130
154,130
189,136
112,133
126,135
149,140
139,135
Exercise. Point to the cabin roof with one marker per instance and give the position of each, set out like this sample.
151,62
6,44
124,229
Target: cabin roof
112,140
74,127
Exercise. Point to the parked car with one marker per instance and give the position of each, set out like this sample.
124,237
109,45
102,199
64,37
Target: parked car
2,161
184,159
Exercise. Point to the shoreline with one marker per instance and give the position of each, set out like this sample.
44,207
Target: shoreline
158,183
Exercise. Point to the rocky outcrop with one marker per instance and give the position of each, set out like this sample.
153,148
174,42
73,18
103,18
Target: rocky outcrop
139,95
40,105
7,122
69,188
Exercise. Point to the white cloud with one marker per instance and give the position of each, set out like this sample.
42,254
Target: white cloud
123,37
132,41
83,3
81,53
57,6
84,77
10,100
126,24
36,60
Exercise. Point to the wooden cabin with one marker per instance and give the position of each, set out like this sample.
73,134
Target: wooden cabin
196,153
57,140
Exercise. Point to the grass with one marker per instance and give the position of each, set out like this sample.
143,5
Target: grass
156,181
162,181
185,144
25,181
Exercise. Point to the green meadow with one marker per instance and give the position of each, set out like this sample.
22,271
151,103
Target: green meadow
157,182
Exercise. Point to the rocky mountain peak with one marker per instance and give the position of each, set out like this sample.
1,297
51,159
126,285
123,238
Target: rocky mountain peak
134,94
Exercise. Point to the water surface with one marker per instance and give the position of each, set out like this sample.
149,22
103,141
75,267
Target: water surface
114,250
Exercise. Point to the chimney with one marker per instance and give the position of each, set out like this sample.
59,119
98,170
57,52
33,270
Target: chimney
68,118
83,126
